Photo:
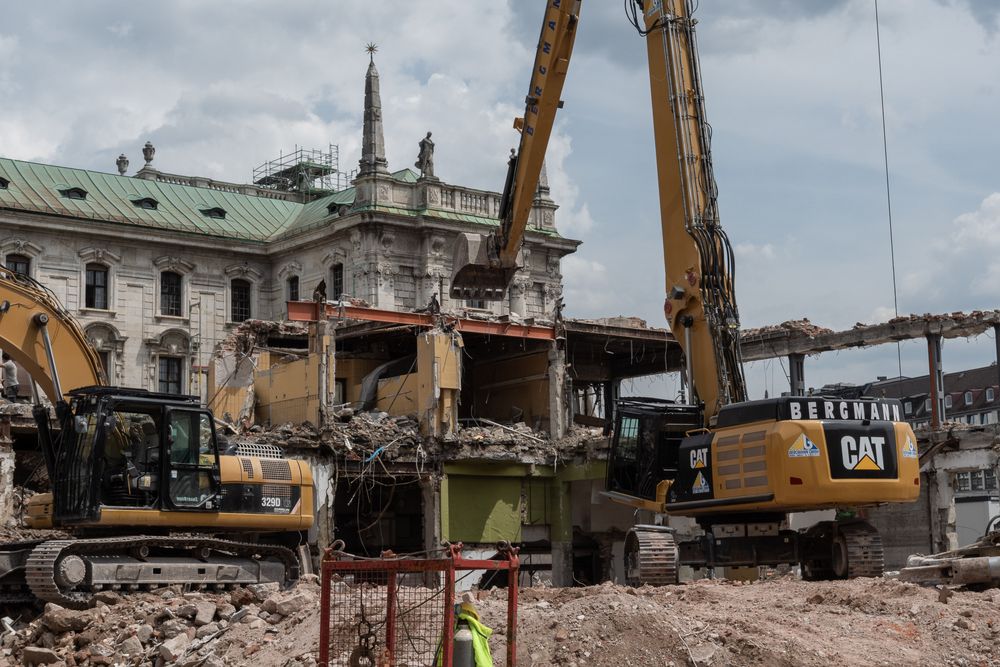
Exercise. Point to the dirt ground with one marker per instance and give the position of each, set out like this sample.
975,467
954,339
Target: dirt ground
776,622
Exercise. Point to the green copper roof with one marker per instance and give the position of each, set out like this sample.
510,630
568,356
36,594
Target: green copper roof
110,198
184,208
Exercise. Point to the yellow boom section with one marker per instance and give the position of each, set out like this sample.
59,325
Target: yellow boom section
700,304
27,312
484,267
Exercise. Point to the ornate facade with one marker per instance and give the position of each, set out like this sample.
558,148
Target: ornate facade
158,267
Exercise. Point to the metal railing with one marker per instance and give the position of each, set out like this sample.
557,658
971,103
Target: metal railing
393,611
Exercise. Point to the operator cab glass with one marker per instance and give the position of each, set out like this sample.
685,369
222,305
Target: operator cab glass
194,467
646,442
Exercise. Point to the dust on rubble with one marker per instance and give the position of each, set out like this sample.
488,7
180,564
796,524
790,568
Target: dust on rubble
356,435
780,622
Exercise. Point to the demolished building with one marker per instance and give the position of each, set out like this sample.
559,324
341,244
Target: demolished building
423,428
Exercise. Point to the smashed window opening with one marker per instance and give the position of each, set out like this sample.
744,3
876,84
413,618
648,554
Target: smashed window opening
373,513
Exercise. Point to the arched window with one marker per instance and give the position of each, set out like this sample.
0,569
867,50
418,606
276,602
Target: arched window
96,295
19,264
293,288
336,287
170,293
239,295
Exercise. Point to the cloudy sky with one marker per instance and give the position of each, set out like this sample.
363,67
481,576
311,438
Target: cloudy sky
792,94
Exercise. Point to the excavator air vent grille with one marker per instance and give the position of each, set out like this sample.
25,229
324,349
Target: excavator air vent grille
247,467
259,450
276,469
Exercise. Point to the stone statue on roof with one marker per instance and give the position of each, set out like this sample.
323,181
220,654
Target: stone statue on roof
425,159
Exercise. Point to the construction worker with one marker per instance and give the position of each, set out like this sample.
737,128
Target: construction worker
10,385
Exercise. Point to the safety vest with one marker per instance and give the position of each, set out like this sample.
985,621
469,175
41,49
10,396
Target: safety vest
480,638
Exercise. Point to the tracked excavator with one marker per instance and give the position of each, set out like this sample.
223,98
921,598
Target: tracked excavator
140,482
737,467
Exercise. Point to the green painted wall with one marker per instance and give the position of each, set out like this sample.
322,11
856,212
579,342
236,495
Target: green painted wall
483,509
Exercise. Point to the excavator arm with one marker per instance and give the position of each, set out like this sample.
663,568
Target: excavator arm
484,266
35,330
700,305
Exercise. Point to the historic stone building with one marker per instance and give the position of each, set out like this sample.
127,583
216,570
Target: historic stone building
158,267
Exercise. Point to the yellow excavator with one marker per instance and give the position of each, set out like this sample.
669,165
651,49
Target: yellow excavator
140,480
737,467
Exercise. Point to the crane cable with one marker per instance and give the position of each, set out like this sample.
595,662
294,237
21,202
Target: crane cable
888,197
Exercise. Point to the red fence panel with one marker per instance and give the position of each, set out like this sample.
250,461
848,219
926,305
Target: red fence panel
395,612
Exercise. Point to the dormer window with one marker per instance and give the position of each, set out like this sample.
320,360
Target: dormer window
968,398
4,183
947,401
147,203
74,193
216,212
989,394
336,209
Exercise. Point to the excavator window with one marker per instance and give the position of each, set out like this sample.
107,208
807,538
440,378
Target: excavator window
194,463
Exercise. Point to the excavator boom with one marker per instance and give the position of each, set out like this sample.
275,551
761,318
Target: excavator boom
484,266
35,330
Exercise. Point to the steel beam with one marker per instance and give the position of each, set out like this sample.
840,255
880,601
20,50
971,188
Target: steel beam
309,311
797,374
936,377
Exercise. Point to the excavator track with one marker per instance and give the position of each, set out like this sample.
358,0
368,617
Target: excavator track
13,556
650,557
70,572
865,555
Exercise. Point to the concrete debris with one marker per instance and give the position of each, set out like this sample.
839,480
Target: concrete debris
168,627
365,436
779,621
801,327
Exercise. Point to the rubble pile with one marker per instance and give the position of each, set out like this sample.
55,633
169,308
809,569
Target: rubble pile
362,435
781,621
168,627
801,327
250,333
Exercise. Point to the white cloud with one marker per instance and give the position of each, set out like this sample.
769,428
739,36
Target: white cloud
587,290
573,218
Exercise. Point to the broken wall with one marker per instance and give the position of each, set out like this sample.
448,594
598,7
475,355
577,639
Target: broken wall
513,389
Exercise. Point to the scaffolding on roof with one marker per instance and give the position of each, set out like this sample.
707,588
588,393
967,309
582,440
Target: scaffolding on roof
304,170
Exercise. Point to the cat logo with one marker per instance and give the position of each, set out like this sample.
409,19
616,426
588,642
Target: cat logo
910,449
862,453
699,458
700,484
803,447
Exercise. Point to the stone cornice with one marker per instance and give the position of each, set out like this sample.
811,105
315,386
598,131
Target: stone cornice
103,255
173,263
242,271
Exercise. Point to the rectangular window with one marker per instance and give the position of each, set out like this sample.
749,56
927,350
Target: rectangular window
19,264
947,401
990,479
908,408
239,296
97,287
336,282
989,394
963,481
968,398
479,304
170,293
170,375
976,478
105,358
293,288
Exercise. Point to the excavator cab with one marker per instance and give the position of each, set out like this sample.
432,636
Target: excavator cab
130,448
646,444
